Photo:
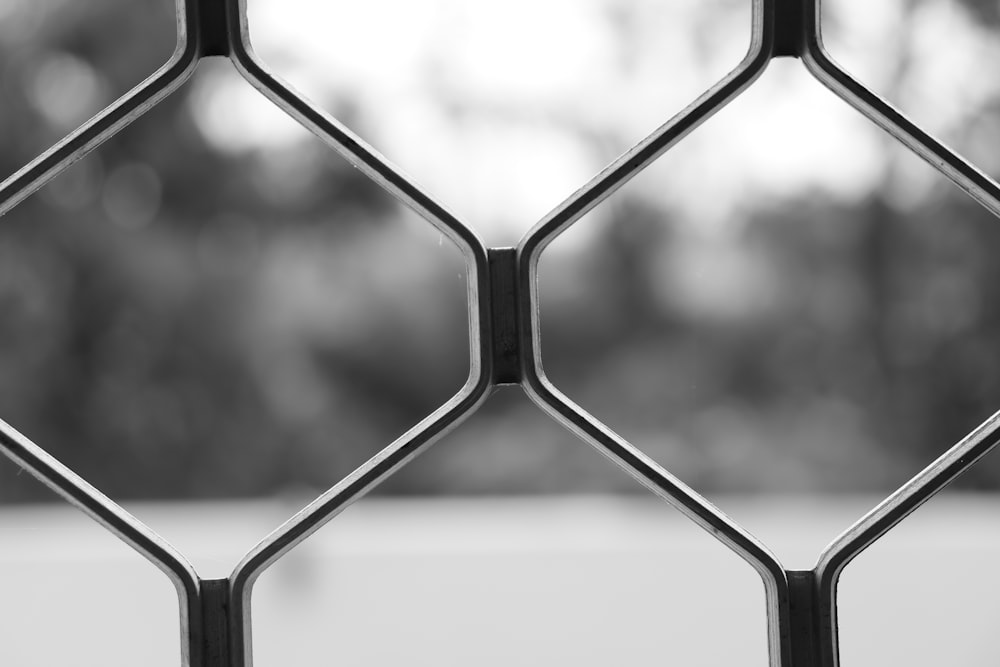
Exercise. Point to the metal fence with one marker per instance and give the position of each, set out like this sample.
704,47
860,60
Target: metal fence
504,331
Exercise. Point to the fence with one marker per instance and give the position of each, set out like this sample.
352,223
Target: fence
504,332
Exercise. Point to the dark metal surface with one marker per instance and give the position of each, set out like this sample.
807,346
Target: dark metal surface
213,28
504,338
215,624
803,618
790,28
504,300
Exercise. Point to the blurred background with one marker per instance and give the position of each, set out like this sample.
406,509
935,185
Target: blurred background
788,310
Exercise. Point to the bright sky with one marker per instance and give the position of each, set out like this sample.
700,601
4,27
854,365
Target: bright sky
504,109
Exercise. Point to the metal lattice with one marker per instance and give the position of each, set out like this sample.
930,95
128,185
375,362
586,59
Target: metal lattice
504,333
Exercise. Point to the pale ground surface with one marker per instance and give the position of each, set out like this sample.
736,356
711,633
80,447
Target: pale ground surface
562,581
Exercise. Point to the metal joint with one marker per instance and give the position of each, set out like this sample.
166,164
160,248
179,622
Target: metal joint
504,312
804,625
215,622
213,28
789,28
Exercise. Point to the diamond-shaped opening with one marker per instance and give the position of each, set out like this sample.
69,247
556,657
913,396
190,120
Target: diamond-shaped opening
196,314
764,311
926,592
502,109
504,578
929,58
63,61
73,593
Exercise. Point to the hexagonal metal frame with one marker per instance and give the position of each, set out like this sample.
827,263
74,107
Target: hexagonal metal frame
504,335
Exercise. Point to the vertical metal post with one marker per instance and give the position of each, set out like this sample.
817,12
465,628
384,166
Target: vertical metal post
214,631
504,313
804,628
789,28
213,28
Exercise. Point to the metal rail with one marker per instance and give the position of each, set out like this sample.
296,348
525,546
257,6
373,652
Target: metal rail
503,301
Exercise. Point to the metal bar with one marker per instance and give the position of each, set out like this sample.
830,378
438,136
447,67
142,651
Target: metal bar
789,28
20,449
966,176
619,172
476,390
111,120
215,615
507,358
886,515
214,33
953,463
349,145
333,502
130,530
585,426
687,501
802,613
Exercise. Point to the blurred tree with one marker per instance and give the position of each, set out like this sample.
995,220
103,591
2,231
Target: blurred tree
131,344
178,325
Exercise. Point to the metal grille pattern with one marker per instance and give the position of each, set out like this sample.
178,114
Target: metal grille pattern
504,334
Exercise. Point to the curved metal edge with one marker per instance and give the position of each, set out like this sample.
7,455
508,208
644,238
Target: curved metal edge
630,163
983,189
888,514
365,158
684,499
822,66
118,521
415,441
572,417
110,120
43,466
342,140
327,506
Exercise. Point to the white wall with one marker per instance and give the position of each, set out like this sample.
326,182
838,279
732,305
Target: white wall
561,581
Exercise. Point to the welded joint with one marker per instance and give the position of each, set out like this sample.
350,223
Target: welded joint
215,623
213,28
789,28
506,344
804,618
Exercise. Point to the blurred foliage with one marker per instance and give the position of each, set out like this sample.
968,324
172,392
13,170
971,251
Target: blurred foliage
176,324
986,11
